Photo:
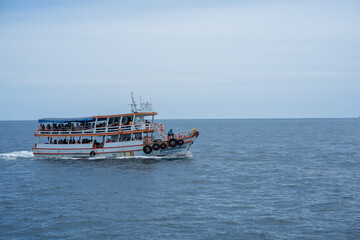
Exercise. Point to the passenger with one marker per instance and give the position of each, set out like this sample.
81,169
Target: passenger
170,134
108,140
55,142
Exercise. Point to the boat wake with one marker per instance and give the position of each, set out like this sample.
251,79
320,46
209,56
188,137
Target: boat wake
28,154
16,155
171,156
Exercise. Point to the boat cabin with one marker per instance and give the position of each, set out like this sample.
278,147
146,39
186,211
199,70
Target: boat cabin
98,130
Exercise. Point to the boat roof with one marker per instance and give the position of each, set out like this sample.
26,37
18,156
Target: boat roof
93,118
127,114
66,120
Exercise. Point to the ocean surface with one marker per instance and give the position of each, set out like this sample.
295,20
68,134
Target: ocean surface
244,179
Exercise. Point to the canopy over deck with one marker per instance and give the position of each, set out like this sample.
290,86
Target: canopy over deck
127,114
92,119
66,120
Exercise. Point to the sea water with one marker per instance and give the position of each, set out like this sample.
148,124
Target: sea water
244,179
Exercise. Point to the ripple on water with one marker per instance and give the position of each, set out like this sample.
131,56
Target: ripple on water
268,179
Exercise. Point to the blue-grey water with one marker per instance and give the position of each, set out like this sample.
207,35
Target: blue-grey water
245,179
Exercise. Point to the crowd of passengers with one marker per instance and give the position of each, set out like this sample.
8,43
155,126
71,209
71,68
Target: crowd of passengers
89,141
66,127
80,126
74,127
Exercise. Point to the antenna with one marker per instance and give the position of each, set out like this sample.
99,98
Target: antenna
133,104
144,106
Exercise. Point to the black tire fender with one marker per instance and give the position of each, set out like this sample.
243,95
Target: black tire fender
181,142
147,149
92,154
163,145
173,142
156,146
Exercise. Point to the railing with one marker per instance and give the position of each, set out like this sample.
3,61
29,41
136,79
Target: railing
182,134
90,130
159,128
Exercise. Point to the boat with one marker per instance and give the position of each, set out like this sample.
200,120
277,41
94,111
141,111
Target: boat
119,135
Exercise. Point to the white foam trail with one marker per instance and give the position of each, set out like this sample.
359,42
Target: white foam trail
175,155
17,154
189,154
139,157
29,154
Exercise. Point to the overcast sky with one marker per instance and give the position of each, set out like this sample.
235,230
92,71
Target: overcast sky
194,59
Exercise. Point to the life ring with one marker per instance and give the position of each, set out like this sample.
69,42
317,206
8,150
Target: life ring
181,142
147,149
173,142
92,154
156,146
163,146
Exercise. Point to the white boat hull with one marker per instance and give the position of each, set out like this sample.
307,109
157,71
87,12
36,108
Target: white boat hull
110,150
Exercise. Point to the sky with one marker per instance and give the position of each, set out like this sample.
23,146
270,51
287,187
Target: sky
192,59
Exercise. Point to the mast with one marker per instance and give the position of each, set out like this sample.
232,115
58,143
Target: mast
144,106
133,104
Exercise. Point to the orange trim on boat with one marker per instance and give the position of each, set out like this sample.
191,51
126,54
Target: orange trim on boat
56,149
88,153
86,148
90,134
